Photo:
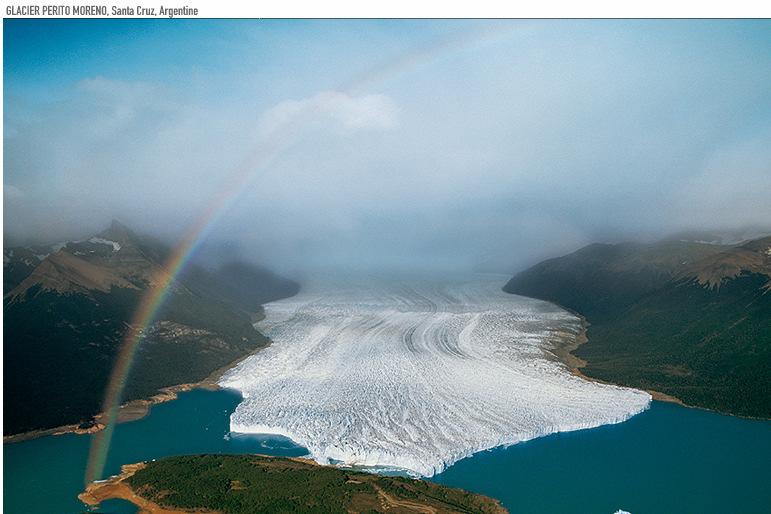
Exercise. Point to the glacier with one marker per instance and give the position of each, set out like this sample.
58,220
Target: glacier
413,375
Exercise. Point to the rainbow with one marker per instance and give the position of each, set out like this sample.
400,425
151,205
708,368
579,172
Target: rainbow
155,297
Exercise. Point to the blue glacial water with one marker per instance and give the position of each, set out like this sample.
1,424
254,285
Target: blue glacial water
45,475
669,459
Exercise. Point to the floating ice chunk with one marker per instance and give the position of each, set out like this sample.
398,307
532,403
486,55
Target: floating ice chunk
416,375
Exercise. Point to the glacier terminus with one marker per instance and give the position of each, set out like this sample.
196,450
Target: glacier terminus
415,374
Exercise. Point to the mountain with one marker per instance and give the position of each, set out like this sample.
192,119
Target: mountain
67,308
242,285
19,262
689,319
601,279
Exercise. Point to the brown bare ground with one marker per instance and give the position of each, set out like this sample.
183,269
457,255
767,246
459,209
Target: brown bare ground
117,488
389,502
65,273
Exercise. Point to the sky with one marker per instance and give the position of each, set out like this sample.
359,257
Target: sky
421,144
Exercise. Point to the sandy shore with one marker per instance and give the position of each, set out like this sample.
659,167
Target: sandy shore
564,347
117,488
563,350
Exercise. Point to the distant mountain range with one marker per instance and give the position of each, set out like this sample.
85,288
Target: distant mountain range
691,319
67,307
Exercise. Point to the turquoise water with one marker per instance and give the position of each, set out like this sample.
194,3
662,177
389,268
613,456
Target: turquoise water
667,460
46,475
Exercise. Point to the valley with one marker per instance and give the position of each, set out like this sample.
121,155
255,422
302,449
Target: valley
413,374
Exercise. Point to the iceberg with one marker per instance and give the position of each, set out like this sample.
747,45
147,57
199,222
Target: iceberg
414,375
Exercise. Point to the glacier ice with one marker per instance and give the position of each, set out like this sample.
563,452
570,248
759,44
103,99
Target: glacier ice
415,375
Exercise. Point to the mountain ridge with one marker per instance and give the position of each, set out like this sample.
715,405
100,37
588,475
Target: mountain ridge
67,312
690,320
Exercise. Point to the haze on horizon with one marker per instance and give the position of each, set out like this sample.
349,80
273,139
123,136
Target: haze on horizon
463,142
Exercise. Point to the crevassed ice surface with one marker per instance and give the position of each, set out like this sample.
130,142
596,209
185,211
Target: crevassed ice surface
415,375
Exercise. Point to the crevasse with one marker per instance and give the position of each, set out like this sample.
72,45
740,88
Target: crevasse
415,375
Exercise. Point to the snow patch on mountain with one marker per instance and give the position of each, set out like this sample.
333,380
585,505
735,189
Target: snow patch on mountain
115,245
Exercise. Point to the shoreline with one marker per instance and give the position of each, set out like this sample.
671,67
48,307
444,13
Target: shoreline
563,348
563,352
116,488
135,409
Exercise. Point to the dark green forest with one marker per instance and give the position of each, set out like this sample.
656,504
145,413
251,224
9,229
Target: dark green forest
654,325
241,484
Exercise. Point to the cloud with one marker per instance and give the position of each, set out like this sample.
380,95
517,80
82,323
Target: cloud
732,189
507,152
331,109
11,192
119,102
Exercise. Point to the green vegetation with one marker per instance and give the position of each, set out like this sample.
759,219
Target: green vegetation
696,326
241,285
246,484
707,347
601,280
63,329
60,350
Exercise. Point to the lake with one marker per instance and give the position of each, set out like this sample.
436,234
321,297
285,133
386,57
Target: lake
668,459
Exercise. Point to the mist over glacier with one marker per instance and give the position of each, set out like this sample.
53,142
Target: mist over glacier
467,144
416,374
